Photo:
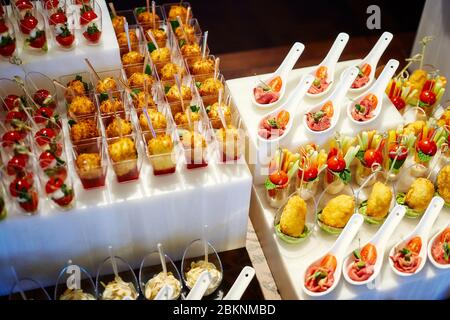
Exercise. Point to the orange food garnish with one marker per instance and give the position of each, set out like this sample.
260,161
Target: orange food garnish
329,262
276,84
415,244
369,253
283,118
321,72
328,109
365,69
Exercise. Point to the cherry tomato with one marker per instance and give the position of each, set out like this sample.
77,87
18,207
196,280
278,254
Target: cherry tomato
7,50
321,72
369,253
44,136
12,116
415,244
65,41
46,159
66,200
329,262
51,4
28,23
57,18
309,174
428,147
53,184
445,235
279,177
372,157
39,41
17,164
20,185
428,97
43,114
87,15
11,102
32,204
372,99
276,84
328,109
366,69
399,151
336,163
24,5
12,137
40,96
92,36
398,102
283,119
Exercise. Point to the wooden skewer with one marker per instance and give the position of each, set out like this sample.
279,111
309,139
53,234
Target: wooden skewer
145,110
220,111
113,9
152,38
182,29
188,13
147,3
92,69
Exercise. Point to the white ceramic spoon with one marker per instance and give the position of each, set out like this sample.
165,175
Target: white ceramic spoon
165,293
330,61
282,72
377,89
291,106
336,98
422,230
379,241
241,284
372,59
338,250
201,285
430,247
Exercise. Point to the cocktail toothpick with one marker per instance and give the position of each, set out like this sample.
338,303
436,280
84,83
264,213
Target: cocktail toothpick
205,41
220,111
92,69
216,68
154,14
205,242
127,33
145,110
152,38
113,9
188,13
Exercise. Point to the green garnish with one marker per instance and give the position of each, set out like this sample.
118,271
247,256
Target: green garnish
346,176
195,108
103,96
175,24
424,157
182,42
148,70
272,123
270,185
357,254
151,47
405,251
198,84
360,264
446,251
166,89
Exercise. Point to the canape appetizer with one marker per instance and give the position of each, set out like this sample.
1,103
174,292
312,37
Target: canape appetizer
46,136
320,83
92,33
44,98
186,32
427,143
157,118
195,148
123,40
209,87
108,105
230,143
155,284
76,294
190,49
36,39
292,226
370,155
23,190
431,93
398,145
160,154
320,120
119,290
377,206
137,79
87,14
277,187
182,118
13,138
173,94
202,66
146,17
7,40
320,277
417,198
59,189
50,160
76,87
18,163
337,212
311,163
139,99
363,264
124,155
160,55
440,249
197,268
81,106
272,127
103,86
443,184
363,110
363,76
91,170
177,11
407,259
132,57
160,36
169,70
266,93
119,127
64,36
83,129
213,114
398,93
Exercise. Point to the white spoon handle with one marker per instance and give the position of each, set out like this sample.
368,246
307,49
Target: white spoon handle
198,290
430,215
299,92
384,233
347,235
165,293
290,60
378,49
341,90
380,85
336,50
241,284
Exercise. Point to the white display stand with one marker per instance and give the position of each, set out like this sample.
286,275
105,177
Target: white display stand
288,262
56,62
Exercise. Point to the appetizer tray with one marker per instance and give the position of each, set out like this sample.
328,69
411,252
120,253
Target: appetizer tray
288,262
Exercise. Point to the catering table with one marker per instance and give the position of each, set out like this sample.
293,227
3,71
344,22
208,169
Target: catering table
288,262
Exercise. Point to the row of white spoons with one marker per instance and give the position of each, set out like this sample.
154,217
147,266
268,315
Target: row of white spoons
343,260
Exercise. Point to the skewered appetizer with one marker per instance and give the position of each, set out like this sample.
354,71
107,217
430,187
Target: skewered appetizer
103,86
159,35
132,57
182,118
320,83
320,277
363,264
407,259
441,247
83,130
76,87
23,190
43,98
397,147
230,143
310,164
76,294
370,156
139,98
292,226
377,206
157,118
119,290
177,11
160,154
81,106
443,184
173,94
155,284
197,268
64,36
335,215
203,66
160,55
277,187
124,156
266,93
213,114
195,146
417,198
190,49
145,16
58,188
123,41
136,80
7,40
90,169
87,14
169,71
186,32
110,105
209,87
119,127
118,23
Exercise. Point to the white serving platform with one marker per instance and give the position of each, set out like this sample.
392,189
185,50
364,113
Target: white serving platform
288,262
56,62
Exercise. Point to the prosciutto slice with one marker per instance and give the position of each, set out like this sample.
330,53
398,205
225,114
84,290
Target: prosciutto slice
265,97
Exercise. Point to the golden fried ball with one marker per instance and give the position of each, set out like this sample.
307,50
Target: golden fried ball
210,86
159,35
177,11
292,222
74,88
106,84
203,66
108,106
192,49
186,31
122,149
338,211
414,127
84,129
169,71
192,140
158,120
132,57
118,23
118,127
379,200
443,183
81,105
445,118
89,165
182,117
139,100
174,95
137,80
122,39
160,55
420,194
147,17
160,145
213,113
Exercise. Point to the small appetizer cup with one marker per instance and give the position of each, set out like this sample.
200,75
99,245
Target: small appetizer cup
306,189
209,93
194,34
162,34
308,229
90,162
20,10
136,38
84,130
277,196
131,68
93,30
58,186
35,40
39,293
145,17
51,6
199,66
322,202
27,200
105,274
420,168
64,36
231,142
81,82
126,169
9,87
363,173
82,106
114,132
162,158
194,253
107,107
8,45
150,268
196,156
189,54
99,85
42,89
172,10
86,285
